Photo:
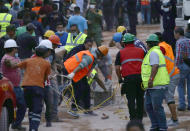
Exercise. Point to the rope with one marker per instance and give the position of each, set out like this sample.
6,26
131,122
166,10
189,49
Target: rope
68,101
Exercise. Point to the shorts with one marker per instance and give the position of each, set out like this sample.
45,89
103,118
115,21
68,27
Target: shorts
169,96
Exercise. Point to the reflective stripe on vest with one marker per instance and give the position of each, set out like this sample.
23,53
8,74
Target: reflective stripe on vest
129,60
75,41
173,70
4,19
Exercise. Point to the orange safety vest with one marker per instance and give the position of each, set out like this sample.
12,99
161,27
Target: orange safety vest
145,2
36,9
73,62
170,60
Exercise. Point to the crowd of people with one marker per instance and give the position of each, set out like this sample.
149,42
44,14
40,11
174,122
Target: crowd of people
43,40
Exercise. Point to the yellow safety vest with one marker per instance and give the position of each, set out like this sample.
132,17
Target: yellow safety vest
162,77
5,19
91,77
8,6
70,43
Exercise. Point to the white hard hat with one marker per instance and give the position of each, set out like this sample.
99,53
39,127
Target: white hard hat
46,43
10,44
72,6
189,21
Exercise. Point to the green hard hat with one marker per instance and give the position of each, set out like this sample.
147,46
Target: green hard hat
128,38
152,38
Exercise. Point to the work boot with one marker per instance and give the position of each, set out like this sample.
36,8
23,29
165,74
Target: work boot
91,113
18,127
48,124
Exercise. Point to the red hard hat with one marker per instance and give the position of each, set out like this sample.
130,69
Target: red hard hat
55,39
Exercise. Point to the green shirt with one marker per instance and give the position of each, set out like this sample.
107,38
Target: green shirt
21,30
96,21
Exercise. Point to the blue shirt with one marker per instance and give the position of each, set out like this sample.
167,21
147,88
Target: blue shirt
78,20
63,38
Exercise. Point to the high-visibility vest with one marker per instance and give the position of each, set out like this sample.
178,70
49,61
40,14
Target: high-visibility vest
73,62
145,2
91,77
70,43
170,60
8,6
36,9
162,77
131,59
5,19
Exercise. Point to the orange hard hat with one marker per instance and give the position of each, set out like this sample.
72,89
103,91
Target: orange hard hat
103,49
55,39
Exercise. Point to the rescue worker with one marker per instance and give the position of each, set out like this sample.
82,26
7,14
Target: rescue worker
53,83
94,24
132,15
173,71
79,65
74,38
81,88
48,33
10,34
128,69
155,79
168,12
183,50
13,75
117,37
61,33
37,6
5,20
36,72
79,20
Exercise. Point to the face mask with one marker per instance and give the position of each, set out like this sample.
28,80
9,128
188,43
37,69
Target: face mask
16,7
16,55
92,6
75,34
60,32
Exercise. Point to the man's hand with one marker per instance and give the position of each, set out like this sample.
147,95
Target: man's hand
71,75
150,83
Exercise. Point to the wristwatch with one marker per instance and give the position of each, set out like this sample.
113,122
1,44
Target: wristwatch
151,78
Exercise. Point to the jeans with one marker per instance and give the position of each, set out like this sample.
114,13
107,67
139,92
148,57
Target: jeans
55,98
146,12
21,106
184,75
48,99
153,105
34,96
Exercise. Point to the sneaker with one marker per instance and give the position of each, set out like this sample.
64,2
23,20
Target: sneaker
171,122
19,128
72,113
91,113
180,109
48,124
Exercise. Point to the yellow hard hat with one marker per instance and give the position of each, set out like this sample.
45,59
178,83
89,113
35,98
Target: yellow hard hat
49,33
121,29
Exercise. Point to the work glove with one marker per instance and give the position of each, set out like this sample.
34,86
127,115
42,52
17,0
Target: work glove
71,75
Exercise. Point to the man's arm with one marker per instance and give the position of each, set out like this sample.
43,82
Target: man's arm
152,76
154,62
118,67
178,53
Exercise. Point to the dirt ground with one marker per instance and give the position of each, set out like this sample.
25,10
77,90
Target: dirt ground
117,111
